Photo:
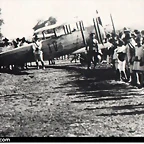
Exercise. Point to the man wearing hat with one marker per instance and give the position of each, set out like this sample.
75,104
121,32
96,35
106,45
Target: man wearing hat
38,54
119,58
138,36
130,55
138,66
126,36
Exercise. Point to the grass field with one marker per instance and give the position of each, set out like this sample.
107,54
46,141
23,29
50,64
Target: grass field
66,101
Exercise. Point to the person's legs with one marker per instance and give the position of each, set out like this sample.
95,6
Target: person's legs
36,60
37,64
96,60
42,61
88,60
140,79
123,69
117,76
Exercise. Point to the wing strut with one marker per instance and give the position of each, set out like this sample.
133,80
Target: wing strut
81,29
96,30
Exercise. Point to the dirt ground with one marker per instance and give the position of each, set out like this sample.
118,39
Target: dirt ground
66,100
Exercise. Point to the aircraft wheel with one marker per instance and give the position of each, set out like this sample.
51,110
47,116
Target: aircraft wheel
83,60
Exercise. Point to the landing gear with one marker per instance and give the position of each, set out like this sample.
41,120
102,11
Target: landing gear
52,62
83,59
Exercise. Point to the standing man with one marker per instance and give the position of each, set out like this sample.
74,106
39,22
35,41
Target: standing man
119,61
38,54
92,51
130,56
138,66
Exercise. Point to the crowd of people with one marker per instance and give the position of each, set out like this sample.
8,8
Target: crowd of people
6,43
125,53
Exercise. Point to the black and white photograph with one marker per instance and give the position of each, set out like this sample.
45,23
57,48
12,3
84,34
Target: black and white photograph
71,68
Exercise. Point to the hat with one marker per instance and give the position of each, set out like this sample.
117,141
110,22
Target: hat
136,31
126,29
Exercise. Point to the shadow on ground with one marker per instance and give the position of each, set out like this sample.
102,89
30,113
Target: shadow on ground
94,86
15,72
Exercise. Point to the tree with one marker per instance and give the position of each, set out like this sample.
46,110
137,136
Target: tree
50,21
1,23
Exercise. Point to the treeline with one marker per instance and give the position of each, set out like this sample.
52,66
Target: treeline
50,21
1,23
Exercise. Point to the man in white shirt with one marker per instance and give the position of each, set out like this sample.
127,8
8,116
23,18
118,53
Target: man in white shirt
130,52
138,65
38,54
119,58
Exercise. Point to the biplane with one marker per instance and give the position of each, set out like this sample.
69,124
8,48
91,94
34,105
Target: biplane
54,45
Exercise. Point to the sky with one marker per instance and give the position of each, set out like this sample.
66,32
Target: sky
20,16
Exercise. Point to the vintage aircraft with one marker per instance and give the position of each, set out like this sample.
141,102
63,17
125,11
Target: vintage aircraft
54,46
